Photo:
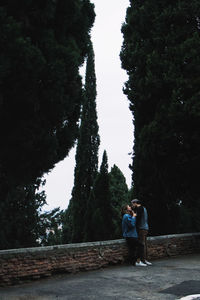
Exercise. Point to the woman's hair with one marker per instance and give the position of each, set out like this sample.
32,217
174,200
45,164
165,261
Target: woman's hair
124,210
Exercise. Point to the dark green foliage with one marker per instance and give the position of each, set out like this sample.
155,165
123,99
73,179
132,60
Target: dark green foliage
161,55
90,224
42,45
100,217
20,223
67,224
189,218
119,197
86,154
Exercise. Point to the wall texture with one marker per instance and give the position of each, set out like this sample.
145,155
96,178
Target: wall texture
20,265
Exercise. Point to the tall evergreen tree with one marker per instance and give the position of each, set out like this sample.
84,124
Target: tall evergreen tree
119,196
100,217
42,45
160,53
67,224
20,222
86,153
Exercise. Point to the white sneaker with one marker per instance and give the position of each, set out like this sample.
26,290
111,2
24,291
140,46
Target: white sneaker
140,264
148,263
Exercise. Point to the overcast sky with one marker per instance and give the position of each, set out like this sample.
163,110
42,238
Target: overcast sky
114,116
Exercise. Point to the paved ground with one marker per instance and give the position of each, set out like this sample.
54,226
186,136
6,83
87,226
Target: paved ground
170,278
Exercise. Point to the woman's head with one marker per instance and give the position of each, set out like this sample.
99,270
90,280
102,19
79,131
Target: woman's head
126,209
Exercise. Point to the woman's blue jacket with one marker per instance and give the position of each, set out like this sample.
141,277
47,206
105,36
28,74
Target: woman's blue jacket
129,226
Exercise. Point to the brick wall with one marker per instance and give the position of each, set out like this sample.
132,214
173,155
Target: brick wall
20,265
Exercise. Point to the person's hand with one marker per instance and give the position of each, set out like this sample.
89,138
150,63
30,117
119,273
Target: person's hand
131,212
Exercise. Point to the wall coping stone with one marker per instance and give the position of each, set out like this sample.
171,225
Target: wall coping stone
89,244
170,236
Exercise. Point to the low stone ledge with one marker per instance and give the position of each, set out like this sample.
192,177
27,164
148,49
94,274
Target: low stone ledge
19,265
171,236
61,247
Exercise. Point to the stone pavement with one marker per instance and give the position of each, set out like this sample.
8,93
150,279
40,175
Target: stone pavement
166,279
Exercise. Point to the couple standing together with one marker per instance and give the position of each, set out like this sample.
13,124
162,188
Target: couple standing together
135,229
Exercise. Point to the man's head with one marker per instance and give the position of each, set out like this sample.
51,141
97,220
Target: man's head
135,203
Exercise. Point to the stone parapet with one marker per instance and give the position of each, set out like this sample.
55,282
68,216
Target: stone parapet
20,265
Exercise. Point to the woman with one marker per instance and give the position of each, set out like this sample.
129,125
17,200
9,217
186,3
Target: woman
131,236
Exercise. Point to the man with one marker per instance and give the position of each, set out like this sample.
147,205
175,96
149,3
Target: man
136,249
142,226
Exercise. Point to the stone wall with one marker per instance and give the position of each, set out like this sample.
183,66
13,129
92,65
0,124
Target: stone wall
20,265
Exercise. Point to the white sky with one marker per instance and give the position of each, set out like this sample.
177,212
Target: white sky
114,116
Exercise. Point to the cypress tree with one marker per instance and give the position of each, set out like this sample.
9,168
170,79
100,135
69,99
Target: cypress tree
42,45
20,222
86,153
119,196
67,224
160,53
100,218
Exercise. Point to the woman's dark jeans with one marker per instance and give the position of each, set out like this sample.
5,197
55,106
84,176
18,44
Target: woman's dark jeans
136,249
